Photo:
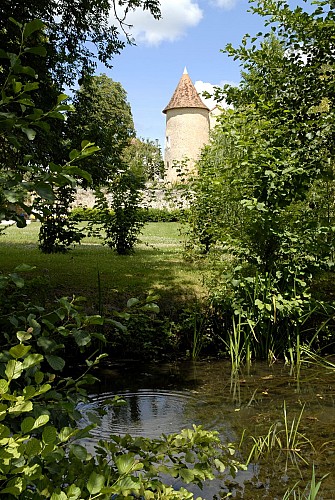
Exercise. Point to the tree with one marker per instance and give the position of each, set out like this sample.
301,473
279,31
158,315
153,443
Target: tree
144,157
120,213
20,120
77,34
103,114
286,104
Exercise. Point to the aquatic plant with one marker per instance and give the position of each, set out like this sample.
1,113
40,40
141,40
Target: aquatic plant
281,437
309,493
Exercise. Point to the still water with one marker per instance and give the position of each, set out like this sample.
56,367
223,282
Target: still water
165,398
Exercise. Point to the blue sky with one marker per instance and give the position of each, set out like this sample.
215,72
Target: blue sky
191,33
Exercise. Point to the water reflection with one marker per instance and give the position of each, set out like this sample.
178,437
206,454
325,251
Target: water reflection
147,412
168,397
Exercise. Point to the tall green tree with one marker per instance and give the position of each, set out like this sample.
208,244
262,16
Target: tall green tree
144,157
20,121
102,113
279,170
78,34
67,34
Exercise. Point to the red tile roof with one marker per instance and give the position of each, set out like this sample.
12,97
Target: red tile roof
185,95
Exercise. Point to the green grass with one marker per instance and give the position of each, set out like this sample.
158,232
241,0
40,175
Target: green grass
157,264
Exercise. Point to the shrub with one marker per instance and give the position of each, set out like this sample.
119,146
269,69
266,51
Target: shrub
43,453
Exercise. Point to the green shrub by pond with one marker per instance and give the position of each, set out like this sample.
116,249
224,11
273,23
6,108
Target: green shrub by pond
41,385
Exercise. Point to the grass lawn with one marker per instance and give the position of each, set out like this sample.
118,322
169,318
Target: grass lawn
157,264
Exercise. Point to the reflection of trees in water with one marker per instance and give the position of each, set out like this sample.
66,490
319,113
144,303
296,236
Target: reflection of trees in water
135,412
141,408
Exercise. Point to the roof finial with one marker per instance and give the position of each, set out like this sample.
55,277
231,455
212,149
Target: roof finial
185,71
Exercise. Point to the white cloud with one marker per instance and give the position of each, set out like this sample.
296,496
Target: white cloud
225,4
177,17
210,88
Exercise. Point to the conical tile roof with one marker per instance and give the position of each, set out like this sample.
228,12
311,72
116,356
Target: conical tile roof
185,95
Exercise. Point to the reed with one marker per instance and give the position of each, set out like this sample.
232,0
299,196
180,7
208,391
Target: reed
309,493
281,437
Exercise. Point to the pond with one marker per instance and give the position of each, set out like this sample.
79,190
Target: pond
167,397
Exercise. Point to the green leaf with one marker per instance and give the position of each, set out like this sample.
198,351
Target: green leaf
26,102
3,386
41,420
30,133
33,447
24,268
95,483
27,424
95,320
219,465
79,451
12,20
23,336
11,196
82,338
19,282
187,475
132,302
13,369
33,472
44,191
118,325
58,495
49,435
74,153
56,114
61,98
39,51
73,492
32,360
38,376
43,125
125,463
17,86
151,307
19,351
29,28
14,487
66,433
73,170
19,407
41,390
31,86
57,363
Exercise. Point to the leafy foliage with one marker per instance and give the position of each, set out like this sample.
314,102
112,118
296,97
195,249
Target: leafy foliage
20,118
58,232
263,196
144,157
102,115
121,218
43,451
71,32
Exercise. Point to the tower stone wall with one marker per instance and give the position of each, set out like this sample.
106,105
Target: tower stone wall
187,131
187,128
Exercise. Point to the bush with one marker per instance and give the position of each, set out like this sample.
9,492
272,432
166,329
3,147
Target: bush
162,215
147,214
84,213
43,452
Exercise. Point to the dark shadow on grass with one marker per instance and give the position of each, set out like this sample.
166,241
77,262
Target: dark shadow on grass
161,270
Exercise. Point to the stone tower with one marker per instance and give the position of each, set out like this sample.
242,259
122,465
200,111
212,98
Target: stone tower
187,127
